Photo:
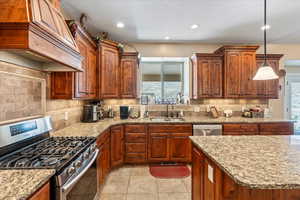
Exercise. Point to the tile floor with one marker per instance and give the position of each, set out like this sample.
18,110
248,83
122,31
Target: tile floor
136,183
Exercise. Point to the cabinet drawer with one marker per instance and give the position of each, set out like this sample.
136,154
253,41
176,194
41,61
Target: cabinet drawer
240,128
174,128
276,133
135,137
276,127
135,147
240,133
135,128
135,158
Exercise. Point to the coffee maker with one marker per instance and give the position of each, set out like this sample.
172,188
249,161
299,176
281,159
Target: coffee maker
91,113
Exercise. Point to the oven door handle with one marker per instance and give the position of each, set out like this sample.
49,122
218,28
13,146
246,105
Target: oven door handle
70,184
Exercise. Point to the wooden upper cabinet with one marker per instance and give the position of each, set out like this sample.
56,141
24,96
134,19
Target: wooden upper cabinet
239,68
268,89
128,75
38,29
232,74
207,76
79,85
248,70
109,72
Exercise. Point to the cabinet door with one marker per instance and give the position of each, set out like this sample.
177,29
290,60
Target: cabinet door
180,147
100,174
62,85
158,147
81,86
232,74
106,162
209,81
204,77
260,85
272,86
216,78
92,73
197,175
117,146
109,72
128,78
248,67
268,89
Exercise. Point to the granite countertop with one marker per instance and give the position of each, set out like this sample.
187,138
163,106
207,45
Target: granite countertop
258,162
95,129
21,184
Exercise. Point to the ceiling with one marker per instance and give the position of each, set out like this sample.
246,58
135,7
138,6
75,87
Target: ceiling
220,21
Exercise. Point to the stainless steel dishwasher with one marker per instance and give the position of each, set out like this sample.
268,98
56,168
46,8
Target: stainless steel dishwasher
207,129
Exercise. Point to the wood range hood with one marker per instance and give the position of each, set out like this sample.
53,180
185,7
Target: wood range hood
37,30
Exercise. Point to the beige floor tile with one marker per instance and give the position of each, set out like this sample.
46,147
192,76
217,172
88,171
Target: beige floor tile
142,185
142,197
113,197
116,184
188,183
171,185
140,171
174,196
123,171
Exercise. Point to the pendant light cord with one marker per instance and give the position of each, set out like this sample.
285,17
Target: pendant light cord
265,33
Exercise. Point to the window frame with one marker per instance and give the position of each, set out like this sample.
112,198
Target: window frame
164,61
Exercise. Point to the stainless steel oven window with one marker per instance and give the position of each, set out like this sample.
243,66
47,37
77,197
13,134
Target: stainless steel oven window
86,187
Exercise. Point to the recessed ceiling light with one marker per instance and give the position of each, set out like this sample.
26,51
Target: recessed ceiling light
265,27
120,25
194,26
167,38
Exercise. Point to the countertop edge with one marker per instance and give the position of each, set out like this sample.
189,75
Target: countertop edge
243,183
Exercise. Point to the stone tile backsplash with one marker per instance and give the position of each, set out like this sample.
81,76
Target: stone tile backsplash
25,92
196,108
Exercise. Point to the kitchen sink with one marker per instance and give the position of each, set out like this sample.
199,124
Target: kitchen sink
165,119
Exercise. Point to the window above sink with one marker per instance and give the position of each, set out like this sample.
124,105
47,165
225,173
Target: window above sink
163,78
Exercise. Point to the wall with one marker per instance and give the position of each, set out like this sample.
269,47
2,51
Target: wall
290,51
55,108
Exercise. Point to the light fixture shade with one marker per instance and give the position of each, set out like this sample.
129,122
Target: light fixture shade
265,72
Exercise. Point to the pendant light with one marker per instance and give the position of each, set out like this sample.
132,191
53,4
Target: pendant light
265,72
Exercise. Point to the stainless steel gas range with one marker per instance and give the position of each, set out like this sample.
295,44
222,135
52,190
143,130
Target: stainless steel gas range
28,145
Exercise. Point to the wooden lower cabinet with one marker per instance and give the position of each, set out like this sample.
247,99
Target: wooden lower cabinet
282,128
117,145
135,143
103,160
42,194
197,174
158,148
169,143
180,147
274,128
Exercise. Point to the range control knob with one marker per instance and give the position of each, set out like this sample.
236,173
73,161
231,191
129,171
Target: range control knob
93,147
86,155
78,164
71,171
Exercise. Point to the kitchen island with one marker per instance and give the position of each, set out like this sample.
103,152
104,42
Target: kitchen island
246,168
